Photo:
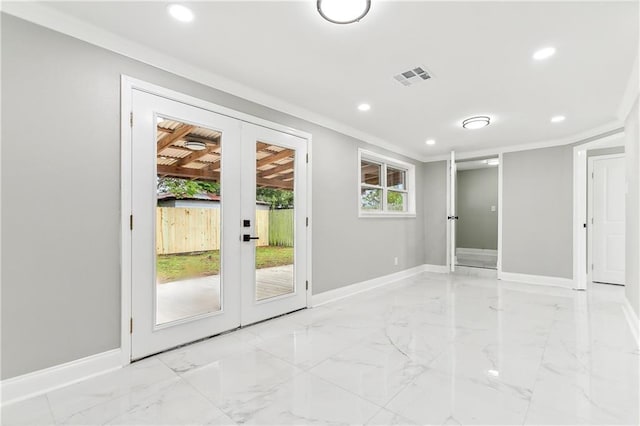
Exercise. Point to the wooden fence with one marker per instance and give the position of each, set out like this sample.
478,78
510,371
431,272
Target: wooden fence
281,228
187,229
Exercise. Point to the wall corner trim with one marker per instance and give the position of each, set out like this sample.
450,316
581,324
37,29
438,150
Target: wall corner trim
537,279
632,319
42,381
350,290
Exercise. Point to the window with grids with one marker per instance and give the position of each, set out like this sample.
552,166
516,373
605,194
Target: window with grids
385,185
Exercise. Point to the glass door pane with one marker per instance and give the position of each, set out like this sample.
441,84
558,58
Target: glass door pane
188,220
274,221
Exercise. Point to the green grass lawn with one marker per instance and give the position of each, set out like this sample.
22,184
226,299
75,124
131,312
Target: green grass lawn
174,267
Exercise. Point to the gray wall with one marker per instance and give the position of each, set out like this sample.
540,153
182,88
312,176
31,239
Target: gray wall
537,208
435,212
60,254
632,222
476,192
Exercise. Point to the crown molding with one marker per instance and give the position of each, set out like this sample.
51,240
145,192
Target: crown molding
613,126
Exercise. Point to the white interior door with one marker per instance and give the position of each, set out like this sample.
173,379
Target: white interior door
185,211
453,173
274,259
608,219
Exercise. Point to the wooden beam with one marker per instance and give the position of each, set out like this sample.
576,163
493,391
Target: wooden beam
214,140
184,172
178,134
275,157
276,170
194,155
273,183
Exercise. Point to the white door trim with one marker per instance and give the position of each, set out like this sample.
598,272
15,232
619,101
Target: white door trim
580,204
127,85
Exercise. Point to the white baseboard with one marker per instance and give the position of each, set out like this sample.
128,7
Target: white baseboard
350,290
632,319
32,384
536,279
440,269
475,251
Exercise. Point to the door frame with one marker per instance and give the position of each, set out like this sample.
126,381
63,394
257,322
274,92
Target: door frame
127,85
468,156
580,276
590,207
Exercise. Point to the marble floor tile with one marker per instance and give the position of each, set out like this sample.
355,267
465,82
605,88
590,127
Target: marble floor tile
72,399
34,411
430,349
375,369
232,381
306,399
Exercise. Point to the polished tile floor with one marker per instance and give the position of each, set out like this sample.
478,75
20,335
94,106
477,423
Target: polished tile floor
433,349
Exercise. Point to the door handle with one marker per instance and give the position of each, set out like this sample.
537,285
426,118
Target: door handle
247,237
452,217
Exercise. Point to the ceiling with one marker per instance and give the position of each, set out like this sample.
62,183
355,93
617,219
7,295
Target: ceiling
480,55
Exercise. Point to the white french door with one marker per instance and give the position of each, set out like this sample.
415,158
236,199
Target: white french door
218,236
273,160
608,219
453,174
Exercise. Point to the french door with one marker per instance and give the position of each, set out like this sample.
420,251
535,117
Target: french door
218,214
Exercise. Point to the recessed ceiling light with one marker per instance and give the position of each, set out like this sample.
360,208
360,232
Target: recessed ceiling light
558,119
180,12
343,11
477,122
364,107
544,53
430,142
195,145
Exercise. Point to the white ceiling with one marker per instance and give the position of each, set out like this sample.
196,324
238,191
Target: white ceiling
480,54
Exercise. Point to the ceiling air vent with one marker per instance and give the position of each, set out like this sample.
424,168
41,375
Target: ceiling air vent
413,76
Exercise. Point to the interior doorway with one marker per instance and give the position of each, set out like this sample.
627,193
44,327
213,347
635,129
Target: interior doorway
218,223
476,212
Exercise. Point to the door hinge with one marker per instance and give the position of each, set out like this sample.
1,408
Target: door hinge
131,222
592,221
592,267
307,221
592,175
131,118
307,158
130,325
307,285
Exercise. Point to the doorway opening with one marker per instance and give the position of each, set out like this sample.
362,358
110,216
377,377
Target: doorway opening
476,208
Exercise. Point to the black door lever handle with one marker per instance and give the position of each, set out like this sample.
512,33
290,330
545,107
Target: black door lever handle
247,237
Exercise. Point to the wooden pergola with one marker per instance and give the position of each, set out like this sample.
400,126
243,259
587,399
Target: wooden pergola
274,164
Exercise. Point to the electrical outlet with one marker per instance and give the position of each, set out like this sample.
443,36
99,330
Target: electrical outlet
395,261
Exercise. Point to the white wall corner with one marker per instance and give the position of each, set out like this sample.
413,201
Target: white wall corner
352,289
537,279
632,319
42,381
631,93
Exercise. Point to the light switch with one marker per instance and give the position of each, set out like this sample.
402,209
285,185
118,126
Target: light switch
493,208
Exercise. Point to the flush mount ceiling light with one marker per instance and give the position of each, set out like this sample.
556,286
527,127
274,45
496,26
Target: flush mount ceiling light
430,142
544,53
477,122
180,12
558,119
364,107
343,11
195,145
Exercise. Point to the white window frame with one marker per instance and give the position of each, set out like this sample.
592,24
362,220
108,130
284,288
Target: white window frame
410,182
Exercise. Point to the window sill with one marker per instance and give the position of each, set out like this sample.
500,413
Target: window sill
365,215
